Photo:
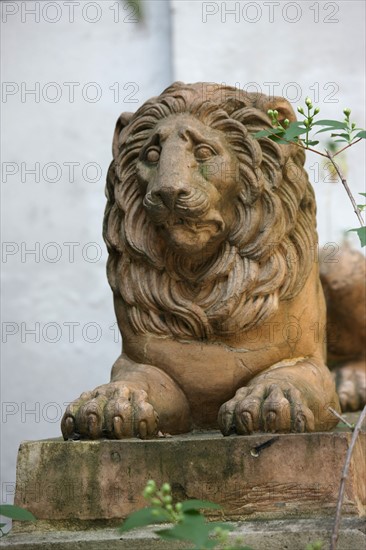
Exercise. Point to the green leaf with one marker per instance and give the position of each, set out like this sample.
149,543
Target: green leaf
16,512
194,504
335,124
211,543
222,525
363,194
267,133
317,545
361,134
345,136
295,129
278,139
262,133
145,517
361,207
361,232
327,130
313,142
192,528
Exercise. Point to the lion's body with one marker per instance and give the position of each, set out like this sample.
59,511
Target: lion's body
212,261
211,372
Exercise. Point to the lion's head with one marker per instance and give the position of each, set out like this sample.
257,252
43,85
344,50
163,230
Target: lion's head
207,228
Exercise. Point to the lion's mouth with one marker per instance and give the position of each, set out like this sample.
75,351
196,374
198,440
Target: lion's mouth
193,225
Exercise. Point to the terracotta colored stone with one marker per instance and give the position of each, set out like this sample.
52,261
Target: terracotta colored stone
343,276
213,266
294,475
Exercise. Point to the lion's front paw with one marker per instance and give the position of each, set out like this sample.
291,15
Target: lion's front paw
351,385
266,407
114,410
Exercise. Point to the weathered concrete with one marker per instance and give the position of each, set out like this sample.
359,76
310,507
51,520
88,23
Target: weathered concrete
294,475
260,535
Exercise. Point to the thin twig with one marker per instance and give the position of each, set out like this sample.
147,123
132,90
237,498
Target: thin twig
346,147
307,148
351,427
348,190
334,539
337,169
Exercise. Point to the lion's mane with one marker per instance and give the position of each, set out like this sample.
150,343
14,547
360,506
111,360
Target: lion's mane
267,256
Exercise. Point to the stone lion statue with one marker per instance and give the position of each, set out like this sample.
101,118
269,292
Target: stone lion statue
213,266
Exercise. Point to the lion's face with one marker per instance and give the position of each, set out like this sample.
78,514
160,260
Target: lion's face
201,217
188,175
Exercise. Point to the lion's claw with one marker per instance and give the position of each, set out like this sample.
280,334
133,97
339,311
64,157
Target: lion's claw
115,410
270,422
68,427
269,408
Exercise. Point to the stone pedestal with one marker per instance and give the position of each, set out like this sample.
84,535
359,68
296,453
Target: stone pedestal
81,483
294,534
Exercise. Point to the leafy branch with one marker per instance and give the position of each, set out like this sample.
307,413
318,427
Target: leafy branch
188,523
298,133
14,512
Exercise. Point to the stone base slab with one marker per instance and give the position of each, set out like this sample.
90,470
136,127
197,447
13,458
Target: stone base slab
260,476
259,535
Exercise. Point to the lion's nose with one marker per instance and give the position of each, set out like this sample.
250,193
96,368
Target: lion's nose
169,194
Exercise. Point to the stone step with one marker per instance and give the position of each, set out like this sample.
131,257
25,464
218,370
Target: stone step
260,535
258,476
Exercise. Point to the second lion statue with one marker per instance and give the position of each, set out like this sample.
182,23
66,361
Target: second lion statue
212,247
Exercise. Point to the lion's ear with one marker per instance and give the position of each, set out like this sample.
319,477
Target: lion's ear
122,122
283,107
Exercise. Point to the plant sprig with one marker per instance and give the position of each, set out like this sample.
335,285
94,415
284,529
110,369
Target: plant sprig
309,120
12,511
188,523
161,500
345,131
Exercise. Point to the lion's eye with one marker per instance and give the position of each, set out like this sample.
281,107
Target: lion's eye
152,154
204,152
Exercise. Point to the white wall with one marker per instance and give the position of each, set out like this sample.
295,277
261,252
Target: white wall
42,376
